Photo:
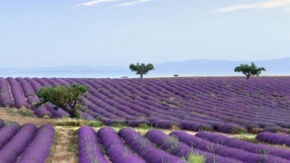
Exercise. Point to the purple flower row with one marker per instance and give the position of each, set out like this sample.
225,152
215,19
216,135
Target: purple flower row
116,149
144,148
7,132
244,145
221,150
5,97
17,93
39,148
88,146
49,110
16,146
180,149
26,87
274,138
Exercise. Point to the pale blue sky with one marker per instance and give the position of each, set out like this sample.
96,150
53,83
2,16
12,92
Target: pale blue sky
36,33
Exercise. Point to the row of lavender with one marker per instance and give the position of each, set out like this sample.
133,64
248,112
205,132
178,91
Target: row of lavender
128,146
273,138
25,144
228,105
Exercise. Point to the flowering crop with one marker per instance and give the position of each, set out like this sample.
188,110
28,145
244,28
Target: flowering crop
230,105
18,143
7,132
39,148
145,148
235,153
116,149
88,146
172,145
274,138
244,145
26,143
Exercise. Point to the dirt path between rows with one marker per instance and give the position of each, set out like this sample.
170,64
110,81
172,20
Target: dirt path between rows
65,147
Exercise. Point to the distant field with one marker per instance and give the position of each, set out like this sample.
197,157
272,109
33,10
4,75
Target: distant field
225,104
170,117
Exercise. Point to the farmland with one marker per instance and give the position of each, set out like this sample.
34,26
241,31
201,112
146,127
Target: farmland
205,105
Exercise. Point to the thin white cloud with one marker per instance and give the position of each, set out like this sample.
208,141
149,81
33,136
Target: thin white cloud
92,3
261,5
129,4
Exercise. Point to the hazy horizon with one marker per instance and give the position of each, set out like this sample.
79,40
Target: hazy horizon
126,66
102,33
168,69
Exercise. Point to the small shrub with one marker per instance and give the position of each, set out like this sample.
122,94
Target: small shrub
195,158
25,112
94,123
145,126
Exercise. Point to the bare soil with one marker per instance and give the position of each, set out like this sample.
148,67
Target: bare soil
64,147
22,116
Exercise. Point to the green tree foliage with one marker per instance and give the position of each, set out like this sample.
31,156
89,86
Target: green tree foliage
141,69
249,70
67,98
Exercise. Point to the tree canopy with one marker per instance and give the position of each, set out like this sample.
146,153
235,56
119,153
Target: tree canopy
67,98
249,70
141,69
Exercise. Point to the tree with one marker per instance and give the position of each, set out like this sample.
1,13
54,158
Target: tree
249,70
141,69
67,98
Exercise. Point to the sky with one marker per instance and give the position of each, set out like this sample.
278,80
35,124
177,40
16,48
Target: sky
55,33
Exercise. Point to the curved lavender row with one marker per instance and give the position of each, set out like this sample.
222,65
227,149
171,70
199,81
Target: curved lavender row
143,147
59,113
173,146
244,145
38,149
42,111
18,143
274,138
5,98
116,149
35,85
86,116
7,132
88,146
42,82
225,151
231,128
32,100
17,92
26,87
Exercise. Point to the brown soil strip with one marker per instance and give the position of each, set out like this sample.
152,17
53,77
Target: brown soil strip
13,114
65,146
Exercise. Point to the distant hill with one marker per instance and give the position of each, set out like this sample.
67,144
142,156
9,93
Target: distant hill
184,68
222,67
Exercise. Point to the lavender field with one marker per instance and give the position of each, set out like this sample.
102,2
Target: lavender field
224,104
26,143
128,146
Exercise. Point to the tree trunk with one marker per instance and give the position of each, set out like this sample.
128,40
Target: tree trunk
71,111
141,76
248,77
